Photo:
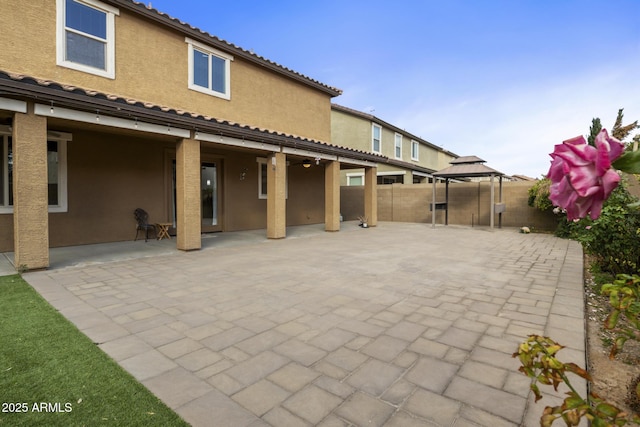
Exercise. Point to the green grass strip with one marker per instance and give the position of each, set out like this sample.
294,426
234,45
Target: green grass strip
53,375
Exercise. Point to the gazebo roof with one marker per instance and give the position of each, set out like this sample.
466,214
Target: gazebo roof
467,159
467,167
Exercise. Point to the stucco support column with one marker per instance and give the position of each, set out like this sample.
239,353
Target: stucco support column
332,196
371,195
277,196
188,215
30,191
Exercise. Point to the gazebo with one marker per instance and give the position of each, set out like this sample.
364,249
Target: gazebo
467,167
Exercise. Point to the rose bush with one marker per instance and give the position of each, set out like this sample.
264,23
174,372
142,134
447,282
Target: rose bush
581,174
583,177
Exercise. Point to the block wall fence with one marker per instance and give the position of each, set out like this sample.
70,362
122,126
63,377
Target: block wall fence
468,204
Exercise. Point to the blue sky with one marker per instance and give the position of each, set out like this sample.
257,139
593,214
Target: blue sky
505,80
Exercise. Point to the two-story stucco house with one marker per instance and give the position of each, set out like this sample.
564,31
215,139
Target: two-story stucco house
108,105
408,158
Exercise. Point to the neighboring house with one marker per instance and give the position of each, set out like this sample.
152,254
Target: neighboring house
107,106
409,159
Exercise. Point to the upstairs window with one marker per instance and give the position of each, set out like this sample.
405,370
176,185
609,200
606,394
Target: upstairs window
376,140
209,70
415,150
398,146
86,36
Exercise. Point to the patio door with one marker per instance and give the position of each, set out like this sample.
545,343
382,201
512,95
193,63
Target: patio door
210,197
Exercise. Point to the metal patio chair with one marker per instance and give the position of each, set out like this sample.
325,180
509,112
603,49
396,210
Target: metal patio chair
142,224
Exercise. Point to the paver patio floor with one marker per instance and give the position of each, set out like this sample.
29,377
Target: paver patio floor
397,325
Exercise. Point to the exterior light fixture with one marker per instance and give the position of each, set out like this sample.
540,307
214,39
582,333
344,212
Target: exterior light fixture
306,163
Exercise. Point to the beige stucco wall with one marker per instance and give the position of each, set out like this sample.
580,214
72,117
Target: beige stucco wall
388,144
348,130
152,66
109,175
468,203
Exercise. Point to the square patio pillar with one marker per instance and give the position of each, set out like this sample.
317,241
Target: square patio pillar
188,215
332,196
277,196
371,195
30,191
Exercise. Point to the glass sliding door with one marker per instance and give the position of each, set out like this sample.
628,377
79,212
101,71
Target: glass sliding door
210,196
209,191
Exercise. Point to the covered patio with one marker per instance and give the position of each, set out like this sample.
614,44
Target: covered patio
99,254
82,161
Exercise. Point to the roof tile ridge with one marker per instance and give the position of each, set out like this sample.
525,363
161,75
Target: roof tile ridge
180,112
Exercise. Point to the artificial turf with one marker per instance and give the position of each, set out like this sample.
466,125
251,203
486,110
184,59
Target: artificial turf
53,375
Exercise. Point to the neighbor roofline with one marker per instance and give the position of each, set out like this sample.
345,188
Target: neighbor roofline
388,125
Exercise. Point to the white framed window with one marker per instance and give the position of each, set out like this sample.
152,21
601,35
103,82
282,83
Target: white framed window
209,70
262,178
85,37
398,146
376,138
355,179
56,170
415,150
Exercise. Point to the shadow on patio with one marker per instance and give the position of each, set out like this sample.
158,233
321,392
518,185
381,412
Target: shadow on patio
84,255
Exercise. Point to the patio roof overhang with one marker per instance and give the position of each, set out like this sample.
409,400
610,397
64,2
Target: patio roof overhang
15,88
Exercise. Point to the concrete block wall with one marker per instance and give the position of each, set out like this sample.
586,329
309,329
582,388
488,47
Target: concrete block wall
469,204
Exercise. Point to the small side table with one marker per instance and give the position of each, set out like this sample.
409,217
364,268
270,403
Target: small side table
163,230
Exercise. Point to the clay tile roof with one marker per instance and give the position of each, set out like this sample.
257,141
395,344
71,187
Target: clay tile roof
29,85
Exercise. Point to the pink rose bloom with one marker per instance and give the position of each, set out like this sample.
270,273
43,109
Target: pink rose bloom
581,175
